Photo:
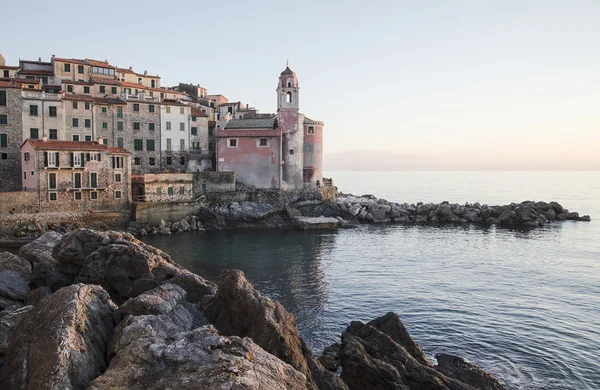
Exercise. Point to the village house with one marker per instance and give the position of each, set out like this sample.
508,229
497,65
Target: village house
72,176
175,137
11,135
200,155
140,132
164,187
272,151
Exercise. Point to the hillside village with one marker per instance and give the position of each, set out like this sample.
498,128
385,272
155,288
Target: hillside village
84,134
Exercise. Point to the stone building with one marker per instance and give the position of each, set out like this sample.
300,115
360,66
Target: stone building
7,71
43,115
11,135
175,138
72,176
140,132
163,187
200,155
276,151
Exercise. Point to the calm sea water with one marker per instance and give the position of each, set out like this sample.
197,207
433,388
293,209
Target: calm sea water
524,305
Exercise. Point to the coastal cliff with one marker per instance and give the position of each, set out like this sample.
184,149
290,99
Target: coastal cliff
102,310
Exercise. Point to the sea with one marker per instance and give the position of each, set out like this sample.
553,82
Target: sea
523,304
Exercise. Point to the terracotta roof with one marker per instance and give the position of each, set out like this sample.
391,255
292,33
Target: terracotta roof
9,84
100,64
78,97
37,72
76,82
8,67
65,145
123,70
116,149
27,81
36,62
231,104
308,121
196,112
104,81
140,86
70,60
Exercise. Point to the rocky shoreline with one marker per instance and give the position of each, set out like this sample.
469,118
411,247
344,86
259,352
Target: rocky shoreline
102,310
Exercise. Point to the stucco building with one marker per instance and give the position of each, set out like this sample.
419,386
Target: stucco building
11,135
272,151
73,176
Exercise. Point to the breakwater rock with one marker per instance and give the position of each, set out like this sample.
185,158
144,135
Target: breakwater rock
129,317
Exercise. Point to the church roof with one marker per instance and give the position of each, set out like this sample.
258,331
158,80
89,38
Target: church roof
287,71
308,121
253,123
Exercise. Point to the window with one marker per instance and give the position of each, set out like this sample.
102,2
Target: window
52,196
291,152
152,161
117,162
105,141
181,126
93,180
170,191
159,191
150,145
75,137
263,142
136,107
77,195
232,142
137,161
52,181
181,190
77,159
181,110
138,145
94,156
162,96
67,67
194,119
75,105
136,125
53,134
52,111
87,105
230,109
103,71
3,140
168,108
102,89
117,194
24,175
181,160
86,89
120,112
3,119
210,131
4,156
80,69
70,88
120,142
120,126
168,143
117,177
169,160
113,90
51,159
311,130
75,122
77,178
88,138
153,83
26,156
88,123
151,126
181,144
150,107
94,195
32,173
196,146
6,74
288,97
2,98
33,110
105,125
34,133
104,110
168,125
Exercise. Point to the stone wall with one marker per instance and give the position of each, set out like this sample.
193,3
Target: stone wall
149,160
153,213
10,156
209,181
19,202
10,223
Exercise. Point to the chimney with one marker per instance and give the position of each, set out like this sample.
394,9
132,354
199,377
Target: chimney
130,68
145,73
45,139
39,59
100,140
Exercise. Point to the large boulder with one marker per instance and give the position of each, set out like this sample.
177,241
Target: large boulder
525,212
458,368
39,251
445,213
380,212
373,359
198,359
238,309
12,262
61,343
161,300
9,319
37,295
12,286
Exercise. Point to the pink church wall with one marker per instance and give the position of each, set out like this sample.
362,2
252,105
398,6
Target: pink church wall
313,155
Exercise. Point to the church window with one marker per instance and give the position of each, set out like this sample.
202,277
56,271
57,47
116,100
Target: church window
233,142
311,130
291,152
289,84
288,97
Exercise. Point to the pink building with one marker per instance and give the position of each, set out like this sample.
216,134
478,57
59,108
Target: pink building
274,151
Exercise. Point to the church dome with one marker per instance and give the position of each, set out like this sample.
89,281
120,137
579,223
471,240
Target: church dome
2,60
287,72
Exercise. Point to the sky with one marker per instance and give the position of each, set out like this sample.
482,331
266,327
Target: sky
429,84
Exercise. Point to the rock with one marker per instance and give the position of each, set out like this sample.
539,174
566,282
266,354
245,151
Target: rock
164,231
372,359
175,226
573,216
61,342
37,295
543,206
549,214
508,217
13,286
133,231
561,216
198,359
143,232
557,207
12,262
162,225
196,287
525,212
7,302
380,213
329,359
160,300
471,374
445,213
471,215
193,225
39,251
9,319
185,226
585,218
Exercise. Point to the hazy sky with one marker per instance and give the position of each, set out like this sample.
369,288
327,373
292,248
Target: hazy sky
506,83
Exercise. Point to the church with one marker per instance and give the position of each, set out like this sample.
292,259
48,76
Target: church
279,151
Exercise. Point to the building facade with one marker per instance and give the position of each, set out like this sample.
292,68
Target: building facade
11,135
